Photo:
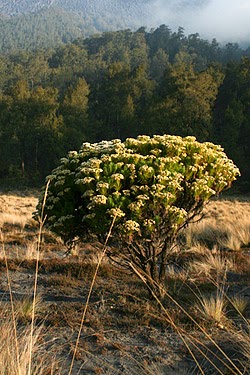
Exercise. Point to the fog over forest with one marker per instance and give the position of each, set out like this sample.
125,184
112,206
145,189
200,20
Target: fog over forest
225,20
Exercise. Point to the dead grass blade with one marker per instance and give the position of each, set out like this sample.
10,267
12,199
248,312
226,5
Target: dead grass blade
89,294
41,224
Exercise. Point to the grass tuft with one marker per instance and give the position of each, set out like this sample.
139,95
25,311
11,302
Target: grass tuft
9,365
212,308
240,304
212,263
24,307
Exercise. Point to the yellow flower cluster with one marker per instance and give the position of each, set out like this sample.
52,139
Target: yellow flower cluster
116,212
131,226
147,183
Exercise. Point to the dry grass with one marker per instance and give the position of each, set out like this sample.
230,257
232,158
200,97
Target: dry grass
212,308
241,339
226,223
244,339
16,210
12,363
24,307
119,301
240,304
212,264
238,234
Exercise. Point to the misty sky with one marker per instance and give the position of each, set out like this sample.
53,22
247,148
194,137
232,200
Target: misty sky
225,20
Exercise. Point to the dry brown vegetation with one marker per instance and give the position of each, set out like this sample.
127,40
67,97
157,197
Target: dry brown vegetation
201,326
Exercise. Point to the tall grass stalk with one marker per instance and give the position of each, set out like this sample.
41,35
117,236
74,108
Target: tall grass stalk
181,332
89,294
41,219
12,304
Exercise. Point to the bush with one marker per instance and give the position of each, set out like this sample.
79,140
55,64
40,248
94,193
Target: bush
152,186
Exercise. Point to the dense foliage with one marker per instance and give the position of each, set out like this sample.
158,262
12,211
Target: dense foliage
153,187
118,85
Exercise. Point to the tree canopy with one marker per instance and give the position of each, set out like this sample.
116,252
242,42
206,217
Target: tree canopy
117,85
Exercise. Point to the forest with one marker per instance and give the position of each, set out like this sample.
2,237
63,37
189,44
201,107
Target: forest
117,85
32,24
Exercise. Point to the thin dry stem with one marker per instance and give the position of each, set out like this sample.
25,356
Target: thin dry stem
170,320
89,294
41,223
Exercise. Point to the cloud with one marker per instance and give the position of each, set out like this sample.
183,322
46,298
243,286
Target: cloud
225,20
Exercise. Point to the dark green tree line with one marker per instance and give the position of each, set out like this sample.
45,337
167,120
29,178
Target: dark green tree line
232,114
119,85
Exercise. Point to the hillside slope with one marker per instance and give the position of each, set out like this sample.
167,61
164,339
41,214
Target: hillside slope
37,24
115,8
44,29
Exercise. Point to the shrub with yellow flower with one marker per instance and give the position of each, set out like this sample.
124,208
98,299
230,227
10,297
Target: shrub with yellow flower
153,187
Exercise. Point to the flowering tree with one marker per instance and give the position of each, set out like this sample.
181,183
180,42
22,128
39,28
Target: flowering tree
153,187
